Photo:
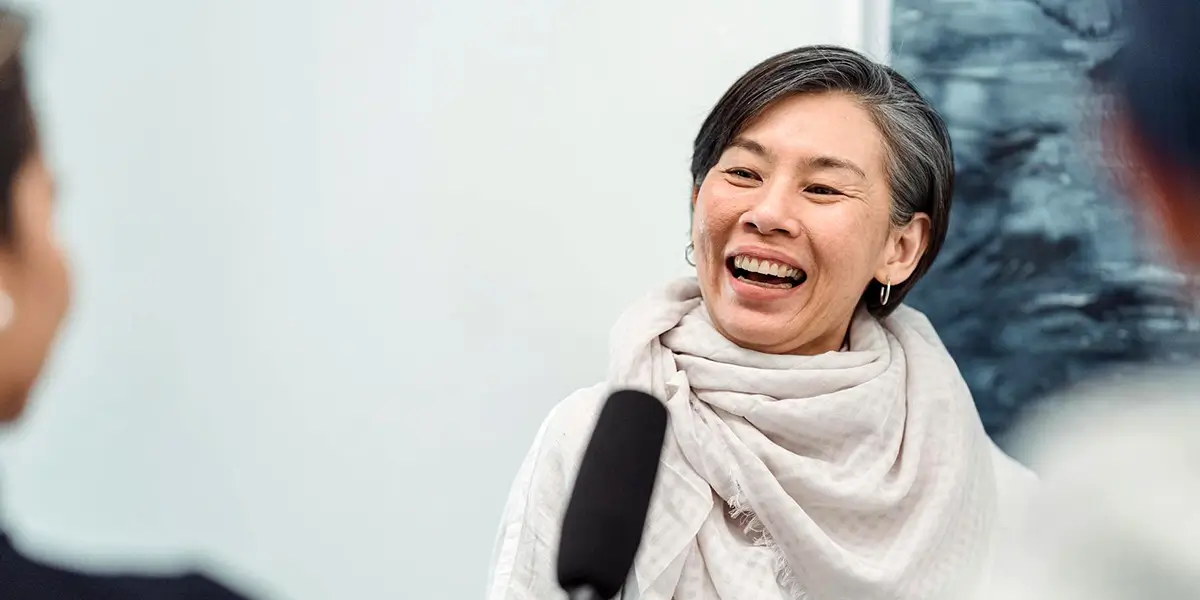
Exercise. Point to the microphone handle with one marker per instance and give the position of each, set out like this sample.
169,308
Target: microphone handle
584,592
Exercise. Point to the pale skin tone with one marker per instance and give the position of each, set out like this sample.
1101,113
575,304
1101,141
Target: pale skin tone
806,183
34,274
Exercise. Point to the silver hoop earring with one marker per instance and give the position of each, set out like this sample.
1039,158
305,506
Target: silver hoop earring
687,254
885,292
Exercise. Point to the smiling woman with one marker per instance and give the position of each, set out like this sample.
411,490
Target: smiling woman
822,443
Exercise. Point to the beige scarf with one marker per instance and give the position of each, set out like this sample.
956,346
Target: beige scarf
864,474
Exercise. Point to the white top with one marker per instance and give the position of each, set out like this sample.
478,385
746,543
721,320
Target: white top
560,442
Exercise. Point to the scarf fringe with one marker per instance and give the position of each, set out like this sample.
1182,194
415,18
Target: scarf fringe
754,528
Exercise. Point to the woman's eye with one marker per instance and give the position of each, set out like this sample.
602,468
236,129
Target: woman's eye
742,173
823,190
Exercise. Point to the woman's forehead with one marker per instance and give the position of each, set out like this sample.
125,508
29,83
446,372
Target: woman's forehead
824,130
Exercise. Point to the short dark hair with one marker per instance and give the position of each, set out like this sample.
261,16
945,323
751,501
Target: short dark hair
920,159
18,128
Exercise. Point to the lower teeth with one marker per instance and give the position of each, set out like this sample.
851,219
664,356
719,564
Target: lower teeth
781,286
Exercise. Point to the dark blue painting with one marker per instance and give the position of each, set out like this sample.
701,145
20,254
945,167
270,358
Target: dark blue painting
1044,279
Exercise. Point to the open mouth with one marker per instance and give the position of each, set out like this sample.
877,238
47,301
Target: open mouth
765,273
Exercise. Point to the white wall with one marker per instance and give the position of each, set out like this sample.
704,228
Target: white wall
877,29
337,259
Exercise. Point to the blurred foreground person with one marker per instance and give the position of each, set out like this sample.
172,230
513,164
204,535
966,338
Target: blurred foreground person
34,295
1120,458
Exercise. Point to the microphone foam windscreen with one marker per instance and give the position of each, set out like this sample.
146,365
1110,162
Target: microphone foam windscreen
603,524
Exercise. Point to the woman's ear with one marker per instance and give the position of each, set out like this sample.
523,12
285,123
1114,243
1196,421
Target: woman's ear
905,247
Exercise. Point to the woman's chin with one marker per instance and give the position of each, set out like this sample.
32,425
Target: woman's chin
755,330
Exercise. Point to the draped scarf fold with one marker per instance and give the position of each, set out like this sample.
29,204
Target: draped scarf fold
863,474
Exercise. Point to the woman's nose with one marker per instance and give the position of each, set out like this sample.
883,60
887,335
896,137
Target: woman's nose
774,214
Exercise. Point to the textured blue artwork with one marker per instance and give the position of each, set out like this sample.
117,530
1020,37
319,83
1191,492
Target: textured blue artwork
1043,279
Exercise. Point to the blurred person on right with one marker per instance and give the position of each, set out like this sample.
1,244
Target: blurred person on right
1117,515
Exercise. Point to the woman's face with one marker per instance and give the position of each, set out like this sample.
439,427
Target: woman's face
33,275
793,222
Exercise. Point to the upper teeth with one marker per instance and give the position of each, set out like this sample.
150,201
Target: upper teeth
765,267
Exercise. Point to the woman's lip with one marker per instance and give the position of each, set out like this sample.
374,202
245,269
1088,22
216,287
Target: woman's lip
752,292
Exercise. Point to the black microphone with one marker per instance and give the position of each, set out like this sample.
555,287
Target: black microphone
603,525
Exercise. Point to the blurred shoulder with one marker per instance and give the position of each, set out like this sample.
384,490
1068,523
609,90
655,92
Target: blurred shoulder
1012,475
1016,488
1116,461
1104,420
28,579
1113,449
